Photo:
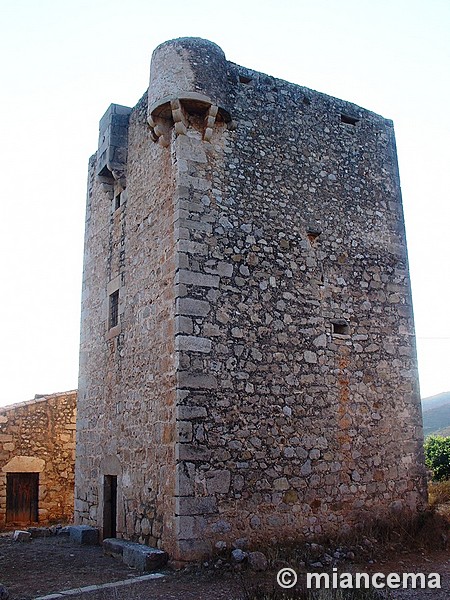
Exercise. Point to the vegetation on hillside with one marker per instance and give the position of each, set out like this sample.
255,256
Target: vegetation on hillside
437,456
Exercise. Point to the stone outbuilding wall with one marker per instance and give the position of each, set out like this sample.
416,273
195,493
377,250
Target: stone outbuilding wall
37,460
248,365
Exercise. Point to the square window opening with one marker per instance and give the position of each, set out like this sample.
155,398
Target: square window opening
340,328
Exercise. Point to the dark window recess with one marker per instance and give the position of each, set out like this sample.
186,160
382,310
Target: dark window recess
117,201
306,100
313,234
114,309
340,328
245,79
349,120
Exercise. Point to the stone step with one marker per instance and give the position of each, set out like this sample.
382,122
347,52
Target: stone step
143,558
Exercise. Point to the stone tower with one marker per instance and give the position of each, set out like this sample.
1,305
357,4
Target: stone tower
248,366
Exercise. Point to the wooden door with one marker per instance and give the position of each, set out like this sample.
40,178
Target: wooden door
22,492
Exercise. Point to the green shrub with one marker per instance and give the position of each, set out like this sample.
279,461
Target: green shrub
437,456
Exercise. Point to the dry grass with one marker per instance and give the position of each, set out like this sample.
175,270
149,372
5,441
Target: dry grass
439,498
439,492
276,593
427,530
262,593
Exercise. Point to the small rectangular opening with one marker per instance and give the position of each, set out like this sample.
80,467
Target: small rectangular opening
114,309
349,120
245,79
340,328
312,234
117,201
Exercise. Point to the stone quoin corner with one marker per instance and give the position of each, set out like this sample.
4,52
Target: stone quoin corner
248,365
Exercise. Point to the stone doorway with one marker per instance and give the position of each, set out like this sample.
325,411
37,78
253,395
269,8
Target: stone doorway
110,506
22,494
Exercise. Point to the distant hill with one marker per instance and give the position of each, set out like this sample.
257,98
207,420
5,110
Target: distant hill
436,414
435,401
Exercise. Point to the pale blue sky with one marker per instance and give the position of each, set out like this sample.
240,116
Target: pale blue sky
63,62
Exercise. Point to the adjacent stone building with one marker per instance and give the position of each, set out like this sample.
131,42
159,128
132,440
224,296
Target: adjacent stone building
248,366
37,460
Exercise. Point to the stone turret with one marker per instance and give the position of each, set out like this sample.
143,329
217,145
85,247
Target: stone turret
189,80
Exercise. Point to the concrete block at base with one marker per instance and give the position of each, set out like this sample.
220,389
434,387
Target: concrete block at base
84,535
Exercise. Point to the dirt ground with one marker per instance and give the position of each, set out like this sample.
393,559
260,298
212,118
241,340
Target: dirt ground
48,565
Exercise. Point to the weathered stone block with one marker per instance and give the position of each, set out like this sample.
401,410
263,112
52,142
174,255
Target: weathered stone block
114,546
192,247
196,549
184,479
191,149
144,558
184,431
188,380
192,307
257,561
183,325
192,453
198,279
218,482
22,536
202,505
191,412
38,532
192,343
189,528
84,535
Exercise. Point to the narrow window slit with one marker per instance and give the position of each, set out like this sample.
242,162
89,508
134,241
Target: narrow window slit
114,309
349,120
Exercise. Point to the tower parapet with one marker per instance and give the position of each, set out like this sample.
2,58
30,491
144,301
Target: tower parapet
113,144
